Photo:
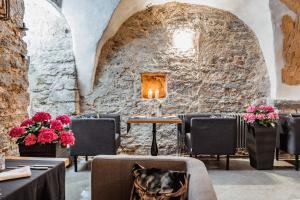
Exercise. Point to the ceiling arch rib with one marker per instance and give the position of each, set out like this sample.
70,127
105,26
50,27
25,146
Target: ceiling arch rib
57,2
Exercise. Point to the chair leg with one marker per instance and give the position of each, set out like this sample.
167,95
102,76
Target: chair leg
277,153
296,162
86,158
75,163
218,157
227,162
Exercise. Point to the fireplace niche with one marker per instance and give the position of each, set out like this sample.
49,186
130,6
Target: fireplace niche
153,85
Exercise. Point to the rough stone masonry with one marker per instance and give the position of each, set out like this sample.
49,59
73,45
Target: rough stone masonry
13,75
222,71
52,74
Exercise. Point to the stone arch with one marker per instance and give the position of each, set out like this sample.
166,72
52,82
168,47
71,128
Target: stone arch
260,23
223,70
52,70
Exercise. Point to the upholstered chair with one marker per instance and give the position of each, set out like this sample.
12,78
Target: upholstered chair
117,173
289,137
95,136
212,136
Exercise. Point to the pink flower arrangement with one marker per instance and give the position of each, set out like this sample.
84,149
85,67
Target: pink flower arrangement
56,125
42,129
17,131
30,139
273,116
251,109
27,122
47,136
264,115
65,119
249,117
41,117
67,137
266,108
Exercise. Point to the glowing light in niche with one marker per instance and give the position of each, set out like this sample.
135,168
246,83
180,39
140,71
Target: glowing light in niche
183,39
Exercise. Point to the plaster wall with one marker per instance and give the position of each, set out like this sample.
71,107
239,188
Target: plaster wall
278,10
87,19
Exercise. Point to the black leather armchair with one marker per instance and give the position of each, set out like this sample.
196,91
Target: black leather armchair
289,137
212,136
95,135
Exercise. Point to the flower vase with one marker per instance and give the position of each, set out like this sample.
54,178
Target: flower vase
261,143
41,150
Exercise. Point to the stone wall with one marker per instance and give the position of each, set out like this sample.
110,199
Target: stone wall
52,70
221,71
13,75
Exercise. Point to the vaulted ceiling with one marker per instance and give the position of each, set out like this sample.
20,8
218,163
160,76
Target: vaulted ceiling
58,2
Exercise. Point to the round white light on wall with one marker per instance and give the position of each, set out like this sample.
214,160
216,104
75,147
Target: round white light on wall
183,39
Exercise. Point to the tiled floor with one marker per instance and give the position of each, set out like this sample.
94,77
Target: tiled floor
241,182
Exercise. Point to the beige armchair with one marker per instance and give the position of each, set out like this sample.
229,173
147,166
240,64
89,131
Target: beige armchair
112,179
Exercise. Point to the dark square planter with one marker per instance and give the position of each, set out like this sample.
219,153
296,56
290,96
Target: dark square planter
41,150
261,143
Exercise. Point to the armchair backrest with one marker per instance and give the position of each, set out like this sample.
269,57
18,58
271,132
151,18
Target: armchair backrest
116,171
214,135
117,119
290,136
93,136
189,117
295,114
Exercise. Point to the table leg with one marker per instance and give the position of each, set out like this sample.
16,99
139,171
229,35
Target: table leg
154,148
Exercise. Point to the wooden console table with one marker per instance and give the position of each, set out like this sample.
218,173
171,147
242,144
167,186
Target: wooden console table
154,121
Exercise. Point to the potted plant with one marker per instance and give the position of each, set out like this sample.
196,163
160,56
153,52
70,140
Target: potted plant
261,135
41,136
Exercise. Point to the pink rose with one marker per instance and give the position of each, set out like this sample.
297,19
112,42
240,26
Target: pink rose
41,117
260,116
67,137
249,117
30,139
47,136
17,131
27,122
251,109
273,115
56,125
266,108
65,119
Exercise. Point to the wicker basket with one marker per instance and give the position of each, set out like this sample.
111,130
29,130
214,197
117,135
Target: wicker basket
261,143
39,150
